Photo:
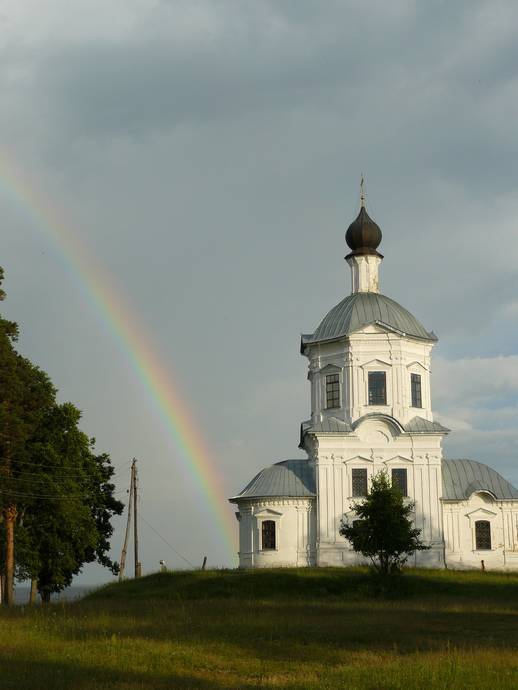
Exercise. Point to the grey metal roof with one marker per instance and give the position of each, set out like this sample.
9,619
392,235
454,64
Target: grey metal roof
419,425
329,425
333,425
289,478
296,479
362,309
460,478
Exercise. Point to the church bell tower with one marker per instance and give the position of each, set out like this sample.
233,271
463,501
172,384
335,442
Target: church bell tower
369,364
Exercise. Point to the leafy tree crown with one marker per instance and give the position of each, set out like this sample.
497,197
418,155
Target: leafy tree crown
383,530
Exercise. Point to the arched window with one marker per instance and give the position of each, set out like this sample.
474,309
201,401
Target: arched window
268,535
482,535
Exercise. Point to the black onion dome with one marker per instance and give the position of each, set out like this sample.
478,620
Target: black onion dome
363,235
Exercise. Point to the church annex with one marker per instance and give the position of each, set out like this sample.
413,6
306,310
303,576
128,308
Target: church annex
369,365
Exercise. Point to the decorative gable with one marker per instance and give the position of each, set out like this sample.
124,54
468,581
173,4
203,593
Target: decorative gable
359,458
416,366
481,514
376,364
330,369
398,460
268,513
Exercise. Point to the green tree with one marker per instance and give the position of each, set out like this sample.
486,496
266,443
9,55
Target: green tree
69,520
383,530
25,394
55,492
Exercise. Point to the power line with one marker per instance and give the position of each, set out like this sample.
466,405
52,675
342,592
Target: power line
71,473
166,542
46,474
39,477
47,468
57,497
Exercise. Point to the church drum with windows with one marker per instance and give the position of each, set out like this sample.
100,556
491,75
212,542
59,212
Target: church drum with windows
369,368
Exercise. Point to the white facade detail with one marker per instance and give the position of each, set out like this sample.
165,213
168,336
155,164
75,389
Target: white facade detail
460,520
364,273
371,349
369,369
294,529
376,444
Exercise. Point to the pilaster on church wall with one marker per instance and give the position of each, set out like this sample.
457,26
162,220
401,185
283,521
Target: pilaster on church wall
355,356
336,454
400,357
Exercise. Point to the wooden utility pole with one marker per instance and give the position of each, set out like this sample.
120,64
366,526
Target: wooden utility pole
34,591
128,525
132,508
9,514
138,568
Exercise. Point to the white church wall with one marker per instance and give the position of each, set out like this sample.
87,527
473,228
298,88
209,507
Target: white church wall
460,518
295,532
376,445
370,349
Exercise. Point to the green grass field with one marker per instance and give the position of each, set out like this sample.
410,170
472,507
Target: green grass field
328,628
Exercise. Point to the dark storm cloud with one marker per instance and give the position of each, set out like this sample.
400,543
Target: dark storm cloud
244,56
210,152
429,85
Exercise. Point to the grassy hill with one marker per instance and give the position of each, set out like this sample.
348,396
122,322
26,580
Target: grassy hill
327,628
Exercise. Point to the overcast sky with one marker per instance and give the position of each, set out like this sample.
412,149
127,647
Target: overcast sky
209,154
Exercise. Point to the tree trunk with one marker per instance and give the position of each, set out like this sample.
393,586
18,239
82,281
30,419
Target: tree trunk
45,596
34,591
10,514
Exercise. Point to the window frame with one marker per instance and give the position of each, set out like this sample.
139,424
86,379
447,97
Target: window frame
371,374
364,472
336,391
486,523
269,522
416,386
396,484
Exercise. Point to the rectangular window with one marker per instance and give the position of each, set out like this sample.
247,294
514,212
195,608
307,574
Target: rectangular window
415,383
377,388
483,535
399,480
332,391
268,535
359,482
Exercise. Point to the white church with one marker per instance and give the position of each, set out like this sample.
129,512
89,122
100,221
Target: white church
369,365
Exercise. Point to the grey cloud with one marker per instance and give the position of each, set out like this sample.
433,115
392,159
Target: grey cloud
240,59
209,153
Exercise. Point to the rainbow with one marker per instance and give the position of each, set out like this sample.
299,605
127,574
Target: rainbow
153,376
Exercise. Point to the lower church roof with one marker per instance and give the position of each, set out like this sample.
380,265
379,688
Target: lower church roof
333,425
461,478
286,479
296,479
